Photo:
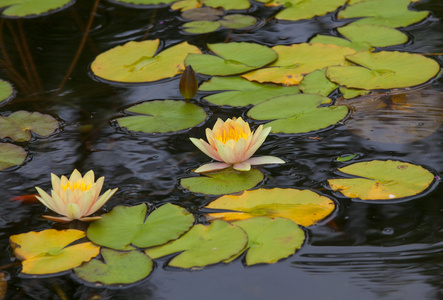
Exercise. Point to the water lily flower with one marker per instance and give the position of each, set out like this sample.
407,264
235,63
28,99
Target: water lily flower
232,144
75,198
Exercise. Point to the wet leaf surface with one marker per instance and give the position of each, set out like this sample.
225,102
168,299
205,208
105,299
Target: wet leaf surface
11,155
19,124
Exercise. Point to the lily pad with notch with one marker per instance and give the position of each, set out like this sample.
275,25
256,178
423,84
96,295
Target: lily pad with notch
32,8
19,124
163,116
298,113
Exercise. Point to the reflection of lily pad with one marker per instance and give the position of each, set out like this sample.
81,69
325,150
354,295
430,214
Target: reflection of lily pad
203,245
270,240
6,91
163,116
48,251
392,13
302,9
11,155
227,181
317,83
297,60
298,113
396,118
241,92
382,180
31,8
384,70
18,125
124,225
233,58
137,62
117,268
304,207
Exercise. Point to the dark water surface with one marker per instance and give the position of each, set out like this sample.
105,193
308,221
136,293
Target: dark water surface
364,251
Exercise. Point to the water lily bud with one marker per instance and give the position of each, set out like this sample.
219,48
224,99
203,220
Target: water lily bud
188,84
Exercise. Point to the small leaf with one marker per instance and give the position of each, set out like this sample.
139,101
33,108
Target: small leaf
227,181
32,8
270,240
124,225
6,91
11,155
203,245
19,124
48,251
163,116
382,180
117,268
347,157
137,62
304,207
317,83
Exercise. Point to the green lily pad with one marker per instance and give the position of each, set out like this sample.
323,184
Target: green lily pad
19,124
242,92
375,35
203,245
352,93
298,113
11,155
317,83
227,181
223,4
49,251
346,157
333,40
392,13
203,14
270,240
307,9
125,225
199,27
163,116
233,58
6,91
32,8
237,21
295,61
145,2
382,180
137,62
304,207
118,267
384,70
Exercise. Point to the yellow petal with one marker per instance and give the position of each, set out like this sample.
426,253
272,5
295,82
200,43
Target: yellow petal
89,177
75,176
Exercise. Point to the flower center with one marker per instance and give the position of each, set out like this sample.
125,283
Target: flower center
80,185
225,135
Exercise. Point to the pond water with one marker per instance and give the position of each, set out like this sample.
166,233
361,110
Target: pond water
364,251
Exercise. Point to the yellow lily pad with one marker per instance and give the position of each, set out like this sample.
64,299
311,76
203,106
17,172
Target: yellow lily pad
382,180
304,207
48,251
297,60
137,62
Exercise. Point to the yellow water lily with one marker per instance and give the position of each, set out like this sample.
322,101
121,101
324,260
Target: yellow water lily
75,198
232,143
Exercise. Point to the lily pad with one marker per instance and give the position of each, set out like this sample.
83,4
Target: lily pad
125,225
19,124
242,92
384,70
203,14
163,116
145,2
223,4
118,267
352,93
231,59
317,83
137,62
203,245
382,180
304,207
6,91
227,181
270,240
375,35
32,8
307,9
392,13
11,155
199,27
334,40
295,61
298,113
237,21
48,251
